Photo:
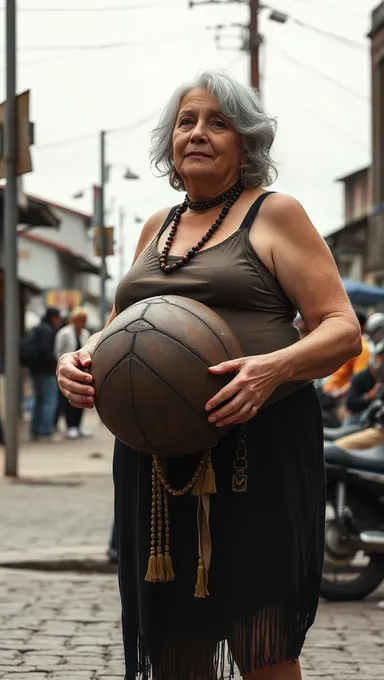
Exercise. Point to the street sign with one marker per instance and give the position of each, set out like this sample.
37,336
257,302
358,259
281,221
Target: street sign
24,136
63,299
98,245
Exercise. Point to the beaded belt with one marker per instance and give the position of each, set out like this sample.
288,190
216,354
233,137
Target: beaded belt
203,485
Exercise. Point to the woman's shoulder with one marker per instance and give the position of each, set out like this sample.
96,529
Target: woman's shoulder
285,214
282,206
150,229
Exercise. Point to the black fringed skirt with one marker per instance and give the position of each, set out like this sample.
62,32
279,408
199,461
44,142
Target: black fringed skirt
267,552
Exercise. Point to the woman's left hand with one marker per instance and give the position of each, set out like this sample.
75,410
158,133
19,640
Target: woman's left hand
256,379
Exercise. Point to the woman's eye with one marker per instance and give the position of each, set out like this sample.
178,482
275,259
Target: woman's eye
186,121
218,123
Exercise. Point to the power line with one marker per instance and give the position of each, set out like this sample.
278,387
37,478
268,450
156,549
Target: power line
325,5
81,138
329,34
123,129
321,74
98,46
122,8
72,48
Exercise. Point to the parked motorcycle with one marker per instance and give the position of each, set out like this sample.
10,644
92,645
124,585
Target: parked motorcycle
354,527
331,434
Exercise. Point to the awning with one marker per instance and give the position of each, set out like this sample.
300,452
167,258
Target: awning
363,293
36,214
81,263
78,261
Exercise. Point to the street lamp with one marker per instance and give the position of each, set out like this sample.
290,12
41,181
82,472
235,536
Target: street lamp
279,17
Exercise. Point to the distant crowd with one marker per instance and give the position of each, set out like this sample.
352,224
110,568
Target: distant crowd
40,349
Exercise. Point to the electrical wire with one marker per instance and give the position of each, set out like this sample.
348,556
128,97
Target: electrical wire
122,8
325,5
74,48
319,73
123,129
74,140
329,34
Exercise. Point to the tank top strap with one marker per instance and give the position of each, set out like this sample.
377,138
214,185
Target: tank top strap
253,210
167,220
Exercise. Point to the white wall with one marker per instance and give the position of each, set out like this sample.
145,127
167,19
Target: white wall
43,265
38,263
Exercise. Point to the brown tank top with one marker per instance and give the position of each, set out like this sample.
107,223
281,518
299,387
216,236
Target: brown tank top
231,279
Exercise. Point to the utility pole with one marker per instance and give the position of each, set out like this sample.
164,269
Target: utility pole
103,240
254,38
121,243
254,43
12,306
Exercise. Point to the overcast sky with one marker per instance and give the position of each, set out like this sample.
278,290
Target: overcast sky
116,69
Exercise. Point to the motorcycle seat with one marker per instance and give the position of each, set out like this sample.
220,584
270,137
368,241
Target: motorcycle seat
371,459
333,433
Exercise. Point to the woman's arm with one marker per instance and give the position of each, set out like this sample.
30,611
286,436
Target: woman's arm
147,235
307,273
296,254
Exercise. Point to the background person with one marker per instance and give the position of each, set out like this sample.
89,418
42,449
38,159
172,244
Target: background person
71,338
339,382
365,386
37,353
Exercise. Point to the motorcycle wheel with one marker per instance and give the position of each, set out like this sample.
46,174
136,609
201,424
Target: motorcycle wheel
368,568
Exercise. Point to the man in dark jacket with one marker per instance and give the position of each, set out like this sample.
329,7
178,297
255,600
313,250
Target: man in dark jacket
43,374
366,385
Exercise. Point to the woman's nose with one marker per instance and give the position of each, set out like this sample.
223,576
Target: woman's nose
199,133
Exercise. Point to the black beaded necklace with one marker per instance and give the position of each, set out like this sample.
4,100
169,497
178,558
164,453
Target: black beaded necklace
229,197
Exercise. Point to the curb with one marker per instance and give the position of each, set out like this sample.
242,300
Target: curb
86,560
78,565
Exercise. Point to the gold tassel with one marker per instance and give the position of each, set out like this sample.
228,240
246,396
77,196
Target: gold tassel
168,568
209,484
201,590
160,566
151,575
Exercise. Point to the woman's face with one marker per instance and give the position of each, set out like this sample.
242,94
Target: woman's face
79,323
205,144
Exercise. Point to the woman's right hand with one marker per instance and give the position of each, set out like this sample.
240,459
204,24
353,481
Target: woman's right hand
74,382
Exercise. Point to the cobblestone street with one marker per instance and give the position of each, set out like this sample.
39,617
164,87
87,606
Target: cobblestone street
60,626
66,625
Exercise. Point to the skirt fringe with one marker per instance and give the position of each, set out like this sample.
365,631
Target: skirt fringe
271,636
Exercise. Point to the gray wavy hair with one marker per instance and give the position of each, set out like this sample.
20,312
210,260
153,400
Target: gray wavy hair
242,106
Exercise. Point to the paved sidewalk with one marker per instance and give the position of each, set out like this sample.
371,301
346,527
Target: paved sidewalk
85,456
62,502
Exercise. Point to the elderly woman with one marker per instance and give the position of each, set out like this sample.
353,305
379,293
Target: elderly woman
71,338
255,258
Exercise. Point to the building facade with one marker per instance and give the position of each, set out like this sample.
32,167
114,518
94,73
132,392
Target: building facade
349,242
358,246
61,264
375,250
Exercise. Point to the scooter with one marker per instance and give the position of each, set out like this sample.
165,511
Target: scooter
354,527
331,434
369,418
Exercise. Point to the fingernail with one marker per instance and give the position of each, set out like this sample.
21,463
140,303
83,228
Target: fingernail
211,419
